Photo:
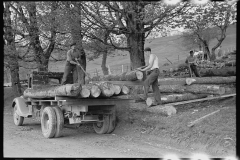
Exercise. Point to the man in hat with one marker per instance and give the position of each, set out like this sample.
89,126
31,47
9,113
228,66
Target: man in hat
71,65
152,78
192,61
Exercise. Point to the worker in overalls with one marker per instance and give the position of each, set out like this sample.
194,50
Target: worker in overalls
71,65
152,76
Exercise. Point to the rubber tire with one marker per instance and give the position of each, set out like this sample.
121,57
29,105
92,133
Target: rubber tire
48,130
18,120
104,125
112,122
60,121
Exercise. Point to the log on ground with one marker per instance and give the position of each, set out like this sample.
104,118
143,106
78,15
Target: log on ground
224,72
171,81
63,90
211,80
205,89
174,98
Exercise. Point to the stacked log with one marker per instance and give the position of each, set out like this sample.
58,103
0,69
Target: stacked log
71,90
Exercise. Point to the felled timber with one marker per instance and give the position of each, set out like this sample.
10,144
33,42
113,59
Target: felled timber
71,90
125,90
171,81
174,98
195,88
210,80
86,91
117,89
126,76
107,89
223,72
230,90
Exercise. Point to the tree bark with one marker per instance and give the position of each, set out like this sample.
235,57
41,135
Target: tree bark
126,76
223,72
174,98
72,90
210,80
11,55
105,52
136,37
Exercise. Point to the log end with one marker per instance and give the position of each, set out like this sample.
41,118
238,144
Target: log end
117,89
125,90
189,81
221,90
149,101
95,91
139,75
85,93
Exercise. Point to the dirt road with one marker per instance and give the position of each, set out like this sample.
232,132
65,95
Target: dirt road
28,141
138,134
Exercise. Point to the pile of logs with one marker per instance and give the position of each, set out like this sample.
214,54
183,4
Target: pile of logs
94,90
182,89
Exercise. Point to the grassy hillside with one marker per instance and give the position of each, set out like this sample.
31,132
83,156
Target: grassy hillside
164,47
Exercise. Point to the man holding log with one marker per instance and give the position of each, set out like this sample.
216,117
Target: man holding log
71,65
152,78
192,62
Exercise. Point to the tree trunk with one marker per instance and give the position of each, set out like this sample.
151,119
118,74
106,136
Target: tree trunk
126,76
210,80
71,90
206,46
223,72
172,81
11,55
104,59
174,98
136,37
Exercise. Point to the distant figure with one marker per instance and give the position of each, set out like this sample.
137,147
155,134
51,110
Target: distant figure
220,52
152,78
192,61
71,65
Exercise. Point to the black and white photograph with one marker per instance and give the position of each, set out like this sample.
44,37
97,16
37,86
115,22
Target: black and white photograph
120,79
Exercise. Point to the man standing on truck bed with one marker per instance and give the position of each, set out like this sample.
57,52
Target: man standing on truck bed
152,78
71,65
192,62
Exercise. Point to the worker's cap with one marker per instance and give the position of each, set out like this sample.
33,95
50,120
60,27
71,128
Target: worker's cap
147,49
191,52
73,44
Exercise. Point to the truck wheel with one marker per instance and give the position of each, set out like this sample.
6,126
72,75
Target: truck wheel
112,122
102,127
18,120
48,122
60,121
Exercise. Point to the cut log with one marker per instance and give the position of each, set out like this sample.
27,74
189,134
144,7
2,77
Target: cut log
63,90
171,81
167,110
107,89
205,89
95,91
172,89
126,76
125,90
117,89
174,98
230,90
85,91
210,80
224,72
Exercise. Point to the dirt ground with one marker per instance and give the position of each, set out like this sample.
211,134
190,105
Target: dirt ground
138,134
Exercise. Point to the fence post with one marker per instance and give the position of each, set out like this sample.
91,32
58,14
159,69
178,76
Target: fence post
122,68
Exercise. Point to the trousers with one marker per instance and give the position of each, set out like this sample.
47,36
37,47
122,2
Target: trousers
194,69
152,79
68,69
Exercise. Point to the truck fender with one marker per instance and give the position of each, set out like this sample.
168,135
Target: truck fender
22,109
